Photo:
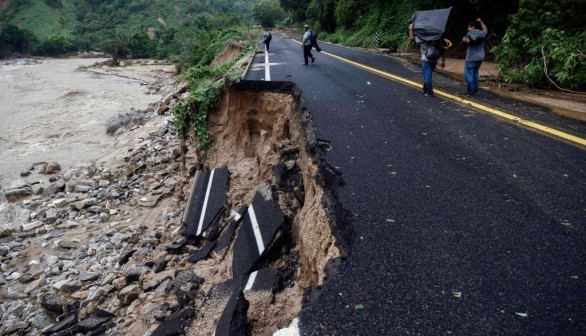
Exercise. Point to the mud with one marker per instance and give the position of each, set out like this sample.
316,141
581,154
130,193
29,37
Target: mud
262,135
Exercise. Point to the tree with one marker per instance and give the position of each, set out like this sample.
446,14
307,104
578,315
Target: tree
141,46
15,40
296,9
346,12
267,13
321,13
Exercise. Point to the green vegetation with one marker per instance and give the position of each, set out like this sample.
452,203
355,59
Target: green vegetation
205,85
546,38
267,13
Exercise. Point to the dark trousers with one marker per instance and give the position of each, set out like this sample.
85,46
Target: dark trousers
427,69
307,53
267,45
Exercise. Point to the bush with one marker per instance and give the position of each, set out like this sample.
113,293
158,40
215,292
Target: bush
55,45
544,36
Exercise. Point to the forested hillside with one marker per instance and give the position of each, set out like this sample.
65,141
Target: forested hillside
137,27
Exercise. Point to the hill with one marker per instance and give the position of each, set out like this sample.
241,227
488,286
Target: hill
67,25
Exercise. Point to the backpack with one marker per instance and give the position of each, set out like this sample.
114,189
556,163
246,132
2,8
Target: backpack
267,37
433,52
312,37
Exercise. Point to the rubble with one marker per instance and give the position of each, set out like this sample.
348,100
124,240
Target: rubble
103,248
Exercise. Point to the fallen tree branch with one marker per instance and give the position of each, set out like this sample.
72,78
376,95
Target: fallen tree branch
547,75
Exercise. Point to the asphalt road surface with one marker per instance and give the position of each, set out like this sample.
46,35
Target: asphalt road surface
465,223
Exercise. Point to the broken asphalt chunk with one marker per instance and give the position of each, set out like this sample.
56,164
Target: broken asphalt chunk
234,319
261,223
228,233
206,201
202,253
264,279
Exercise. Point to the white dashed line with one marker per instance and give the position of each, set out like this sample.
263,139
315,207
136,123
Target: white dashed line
256,229
250,281
267,66
205,204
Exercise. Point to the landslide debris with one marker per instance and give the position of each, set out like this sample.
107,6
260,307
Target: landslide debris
99,249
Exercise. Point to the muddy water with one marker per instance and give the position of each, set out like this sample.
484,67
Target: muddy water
52,111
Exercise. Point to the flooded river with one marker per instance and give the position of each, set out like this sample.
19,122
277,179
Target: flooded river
50,110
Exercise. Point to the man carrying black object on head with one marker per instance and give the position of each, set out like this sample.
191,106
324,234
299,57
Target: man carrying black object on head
427,29
307,44
474,54
431,52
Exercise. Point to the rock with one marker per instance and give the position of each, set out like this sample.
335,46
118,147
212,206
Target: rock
150,279
186,285
126,257
129,294
82,189
117,121
84,204
62,325
133,274
51,215
104,183
18,189
7,229
67,286
89,170
91,323
60,202
12,218
57,305
67,244
13,276
52,189
50,168
88,276
41,319
4,250
13,325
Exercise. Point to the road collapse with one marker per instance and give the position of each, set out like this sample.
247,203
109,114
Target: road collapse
262,214
153,240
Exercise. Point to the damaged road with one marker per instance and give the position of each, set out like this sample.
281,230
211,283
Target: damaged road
464,223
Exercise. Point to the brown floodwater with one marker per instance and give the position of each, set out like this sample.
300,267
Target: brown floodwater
51,110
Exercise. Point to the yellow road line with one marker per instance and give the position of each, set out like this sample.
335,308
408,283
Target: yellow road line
572,139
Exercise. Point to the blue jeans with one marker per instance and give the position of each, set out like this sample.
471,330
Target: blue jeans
427,69
471,74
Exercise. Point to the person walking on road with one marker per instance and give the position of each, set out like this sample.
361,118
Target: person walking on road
431,52
307,44
266,39
474,40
